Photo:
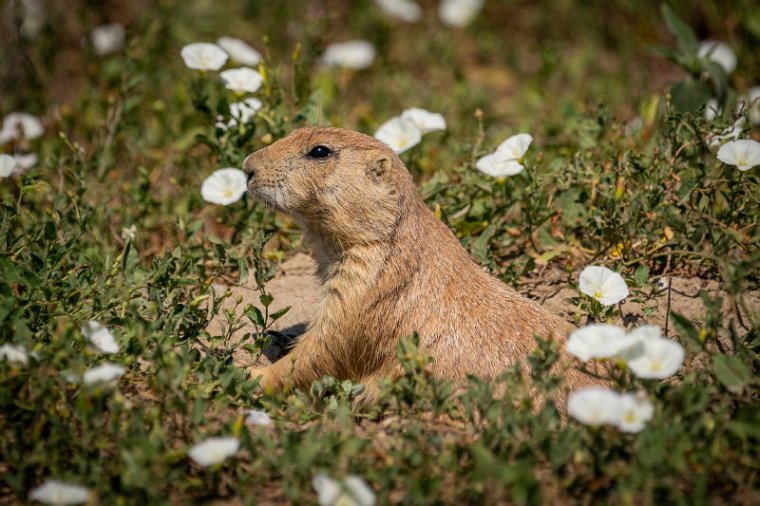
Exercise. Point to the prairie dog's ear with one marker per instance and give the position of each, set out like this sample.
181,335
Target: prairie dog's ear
379,169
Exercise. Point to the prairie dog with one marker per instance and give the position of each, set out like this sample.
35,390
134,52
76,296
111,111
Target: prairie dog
388,267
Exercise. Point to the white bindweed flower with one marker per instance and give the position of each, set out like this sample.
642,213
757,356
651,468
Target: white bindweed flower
224,186
515,147
712,109
353,54
743,153
594,406
129,233
25,161
214,450
7,165
100,336
654,358
107,39
752,104
14,354
33,14
104,373
353,491
239,51
604,285
492,166
258,417
20,126
459,13
242,80
405,10
598,340
635,412
399,133
507,159
203,56
424,120
720,53
59,493
240,112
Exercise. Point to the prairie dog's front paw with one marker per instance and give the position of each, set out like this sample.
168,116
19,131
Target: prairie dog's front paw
268,382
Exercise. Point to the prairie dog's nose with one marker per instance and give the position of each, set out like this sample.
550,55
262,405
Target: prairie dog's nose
249,167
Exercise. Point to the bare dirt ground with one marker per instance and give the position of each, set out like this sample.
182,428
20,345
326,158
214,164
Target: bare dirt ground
295,285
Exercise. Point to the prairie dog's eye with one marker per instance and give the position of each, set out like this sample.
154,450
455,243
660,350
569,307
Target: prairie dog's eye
319,152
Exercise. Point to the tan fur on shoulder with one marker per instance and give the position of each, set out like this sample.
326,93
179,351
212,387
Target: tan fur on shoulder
389,268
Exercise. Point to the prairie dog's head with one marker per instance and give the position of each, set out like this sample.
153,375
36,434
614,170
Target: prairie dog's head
337,183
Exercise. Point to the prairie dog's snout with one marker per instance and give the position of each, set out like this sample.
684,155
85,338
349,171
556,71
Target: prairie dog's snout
249,167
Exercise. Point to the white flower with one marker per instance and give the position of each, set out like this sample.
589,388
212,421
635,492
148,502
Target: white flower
399,133
104,373
100,336
258,417
744,153
507,159
425,121
224,186
204,56
515,147
25,161
20,125
459,13
353,54
353,491
242,80
654,358
214,450
645,332
241,113
107,39
635,412
33,18
405,10
14,354
129,233
7,164
598,340
59,493
712,109
239,50
594,406
604,285
720,53
493,166
752,104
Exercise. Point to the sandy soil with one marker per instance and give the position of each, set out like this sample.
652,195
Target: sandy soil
294,285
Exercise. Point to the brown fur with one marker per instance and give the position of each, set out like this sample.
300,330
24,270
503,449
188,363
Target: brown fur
389,269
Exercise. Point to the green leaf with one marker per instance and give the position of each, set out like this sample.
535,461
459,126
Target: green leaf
254,314
641,275
719,80
731,372
279,314
480,247
685,37
685,327
266,299
689,95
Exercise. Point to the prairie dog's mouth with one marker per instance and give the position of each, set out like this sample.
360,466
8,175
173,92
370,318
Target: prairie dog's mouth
271,196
